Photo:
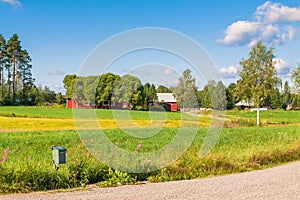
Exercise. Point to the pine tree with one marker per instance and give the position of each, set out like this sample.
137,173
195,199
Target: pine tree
25,71
2,63
14,53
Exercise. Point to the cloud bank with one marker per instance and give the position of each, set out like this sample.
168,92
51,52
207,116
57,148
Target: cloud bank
271,24
14,3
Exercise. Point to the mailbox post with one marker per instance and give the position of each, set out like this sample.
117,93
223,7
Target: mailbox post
58,156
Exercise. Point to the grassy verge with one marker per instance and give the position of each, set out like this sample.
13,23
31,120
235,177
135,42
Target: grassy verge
28,163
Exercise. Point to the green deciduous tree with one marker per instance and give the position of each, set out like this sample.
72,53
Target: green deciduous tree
286,94
69,81
258,76
296,79
163,89
219,96
105,88
148,95
232,96
128,90
296,101
59,98
205,94
186,91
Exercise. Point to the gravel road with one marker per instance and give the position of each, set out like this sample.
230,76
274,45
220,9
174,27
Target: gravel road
281,182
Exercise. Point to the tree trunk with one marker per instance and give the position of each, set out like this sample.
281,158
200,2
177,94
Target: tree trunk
2,88
14,80
9,85
257,117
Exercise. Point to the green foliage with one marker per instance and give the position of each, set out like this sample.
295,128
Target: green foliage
69,81
17,83
232,95
163,89
205,94
186,91
296,78
276,99
116,178
128,90
148,95
105,88
219,96
296,101
214,95
286,95
110,89
45,95
258,76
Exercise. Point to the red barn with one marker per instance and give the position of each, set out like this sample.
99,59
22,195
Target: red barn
168,100
74,104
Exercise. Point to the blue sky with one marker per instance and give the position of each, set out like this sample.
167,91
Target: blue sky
60,34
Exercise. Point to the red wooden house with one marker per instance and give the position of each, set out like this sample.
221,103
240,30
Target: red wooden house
74,104
168,101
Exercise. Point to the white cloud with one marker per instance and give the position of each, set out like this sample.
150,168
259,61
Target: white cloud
271,25
168,71
282,67
57,73
14,3
229,72
239,31
276,12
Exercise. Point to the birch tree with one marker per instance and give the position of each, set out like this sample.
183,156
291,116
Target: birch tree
258,76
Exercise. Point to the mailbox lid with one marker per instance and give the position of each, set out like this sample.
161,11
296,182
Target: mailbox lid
59,148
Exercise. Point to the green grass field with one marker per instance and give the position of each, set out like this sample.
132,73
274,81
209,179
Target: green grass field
28,163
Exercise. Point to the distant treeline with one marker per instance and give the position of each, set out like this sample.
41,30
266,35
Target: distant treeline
110,88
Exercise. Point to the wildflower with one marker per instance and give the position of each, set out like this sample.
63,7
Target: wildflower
4,155
29,159
138,147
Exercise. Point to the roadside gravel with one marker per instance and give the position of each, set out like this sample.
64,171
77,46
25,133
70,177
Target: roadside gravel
281,182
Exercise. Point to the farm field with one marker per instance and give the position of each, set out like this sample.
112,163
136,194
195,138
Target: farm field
27,134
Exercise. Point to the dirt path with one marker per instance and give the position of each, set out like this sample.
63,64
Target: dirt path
281,182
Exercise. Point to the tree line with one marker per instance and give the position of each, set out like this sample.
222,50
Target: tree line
258,84
108,89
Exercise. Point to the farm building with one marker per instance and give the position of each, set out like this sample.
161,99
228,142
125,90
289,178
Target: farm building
244,104
71,103
167,100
